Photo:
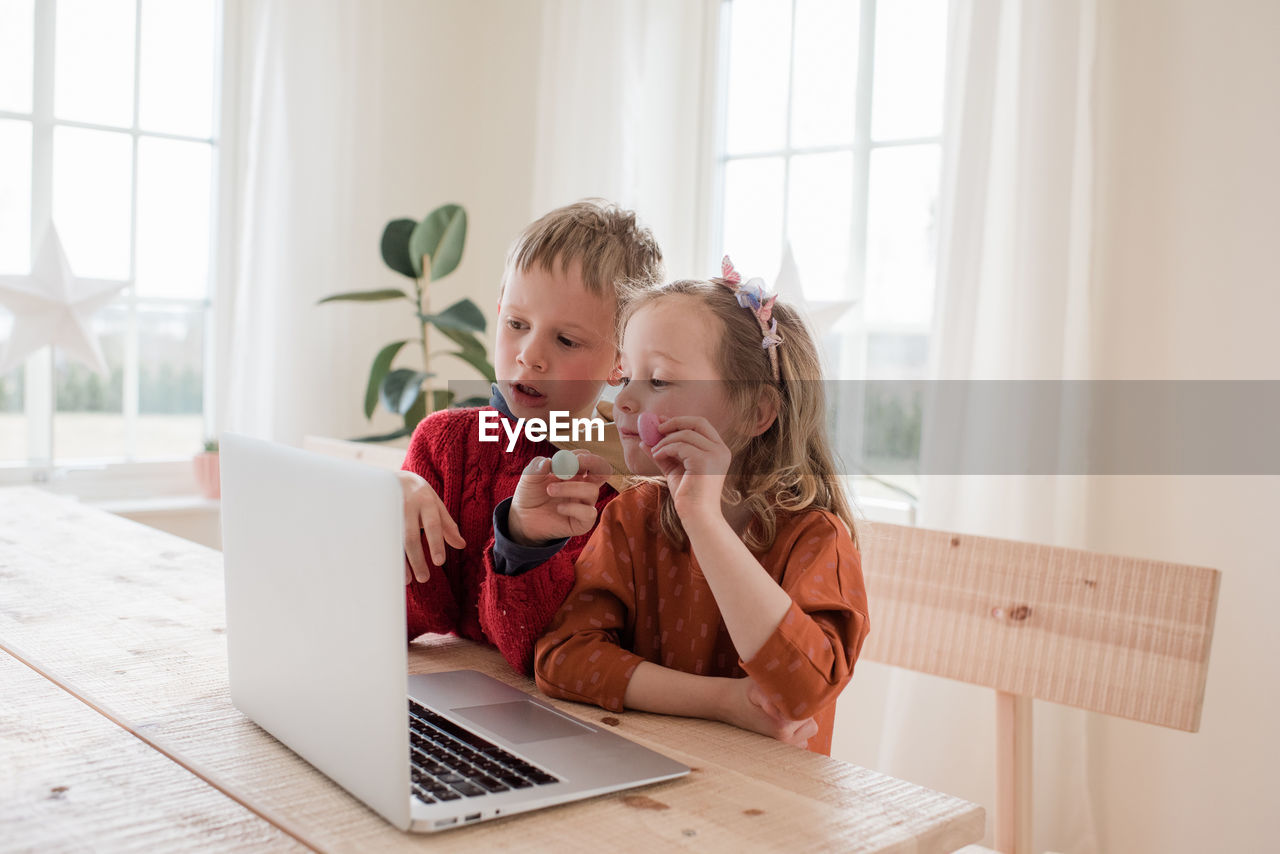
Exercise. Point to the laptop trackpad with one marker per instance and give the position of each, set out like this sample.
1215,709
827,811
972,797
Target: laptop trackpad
522,721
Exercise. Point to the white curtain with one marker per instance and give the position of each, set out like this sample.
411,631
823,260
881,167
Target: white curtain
624,112
1013,304
313,167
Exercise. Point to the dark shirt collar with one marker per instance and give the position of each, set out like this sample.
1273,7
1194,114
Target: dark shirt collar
498,402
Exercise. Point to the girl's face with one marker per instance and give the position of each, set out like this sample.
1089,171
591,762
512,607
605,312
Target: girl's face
669,368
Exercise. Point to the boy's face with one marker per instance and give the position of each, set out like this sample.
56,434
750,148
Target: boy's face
554,345
670,369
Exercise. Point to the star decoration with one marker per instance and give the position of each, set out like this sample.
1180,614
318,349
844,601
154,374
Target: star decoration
821,316
54,307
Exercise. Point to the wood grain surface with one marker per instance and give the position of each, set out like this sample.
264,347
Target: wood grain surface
131,620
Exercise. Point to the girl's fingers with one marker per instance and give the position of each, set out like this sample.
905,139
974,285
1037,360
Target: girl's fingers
696,437
452,535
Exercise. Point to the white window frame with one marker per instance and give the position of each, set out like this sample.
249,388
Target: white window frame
126,478
851,362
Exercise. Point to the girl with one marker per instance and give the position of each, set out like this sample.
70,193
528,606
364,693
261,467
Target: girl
730,586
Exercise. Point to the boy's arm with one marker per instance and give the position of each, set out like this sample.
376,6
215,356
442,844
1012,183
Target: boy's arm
524,586
430,606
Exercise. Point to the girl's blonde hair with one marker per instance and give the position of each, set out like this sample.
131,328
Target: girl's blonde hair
790,466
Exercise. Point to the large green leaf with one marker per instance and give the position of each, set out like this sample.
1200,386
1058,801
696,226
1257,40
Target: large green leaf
416,413
395,248
463,314
440,237
381,366
365,296
440,399
472,352
401,388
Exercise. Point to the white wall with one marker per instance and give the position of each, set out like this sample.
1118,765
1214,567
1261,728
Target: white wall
1187,286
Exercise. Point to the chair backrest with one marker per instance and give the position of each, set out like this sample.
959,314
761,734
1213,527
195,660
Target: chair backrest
1117,635
1110,634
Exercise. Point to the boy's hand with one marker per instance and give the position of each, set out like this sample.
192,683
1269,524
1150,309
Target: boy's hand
545,507
745,705
694,460
424,512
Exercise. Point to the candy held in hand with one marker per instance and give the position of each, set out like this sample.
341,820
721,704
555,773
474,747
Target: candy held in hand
647,424
564,464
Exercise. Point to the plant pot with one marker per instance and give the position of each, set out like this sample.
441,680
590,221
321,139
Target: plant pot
206,467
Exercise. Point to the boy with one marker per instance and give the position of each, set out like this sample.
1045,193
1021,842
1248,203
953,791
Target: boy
515,528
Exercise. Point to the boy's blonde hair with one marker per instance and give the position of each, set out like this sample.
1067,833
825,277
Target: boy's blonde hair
617,254
790,466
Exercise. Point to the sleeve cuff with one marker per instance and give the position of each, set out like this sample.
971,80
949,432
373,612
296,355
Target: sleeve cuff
511,558
792,646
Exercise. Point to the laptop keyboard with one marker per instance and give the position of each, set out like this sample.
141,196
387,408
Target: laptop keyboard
448,762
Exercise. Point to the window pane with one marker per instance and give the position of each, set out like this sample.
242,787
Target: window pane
902,235
15,197
759,55
177,62
17,39
911,45
93,78
89,420
753,215
170,382
173,218
13,424
91,187
826,71
819,222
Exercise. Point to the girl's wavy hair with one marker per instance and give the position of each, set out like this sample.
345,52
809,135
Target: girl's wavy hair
790,466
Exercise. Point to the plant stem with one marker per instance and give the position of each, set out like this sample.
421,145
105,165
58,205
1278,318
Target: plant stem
426,355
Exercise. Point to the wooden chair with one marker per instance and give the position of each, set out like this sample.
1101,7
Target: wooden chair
1108,634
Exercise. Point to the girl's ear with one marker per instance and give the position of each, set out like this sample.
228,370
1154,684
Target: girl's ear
766,413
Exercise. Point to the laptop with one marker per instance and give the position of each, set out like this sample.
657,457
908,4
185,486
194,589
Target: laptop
313,550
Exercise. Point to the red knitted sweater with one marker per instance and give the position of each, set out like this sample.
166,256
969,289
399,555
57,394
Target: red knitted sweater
465,596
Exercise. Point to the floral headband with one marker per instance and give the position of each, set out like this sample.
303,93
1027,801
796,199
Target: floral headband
751,296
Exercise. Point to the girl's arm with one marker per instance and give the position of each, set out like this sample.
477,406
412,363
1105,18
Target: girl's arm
654,688
750,601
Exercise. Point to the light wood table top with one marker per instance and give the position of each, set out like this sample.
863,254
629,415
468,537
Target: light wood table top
129,621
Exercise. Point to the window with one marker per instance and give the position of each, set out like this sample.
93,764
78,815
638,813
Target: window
830,141
109,131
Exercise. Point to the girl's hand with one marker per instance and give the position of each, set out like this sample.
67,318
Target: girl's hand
545,507
745,705
694,460
425,514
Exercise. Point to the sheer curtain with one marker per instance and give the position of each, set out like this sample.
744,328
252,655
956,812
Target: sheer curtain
309,186
625,112
1013,304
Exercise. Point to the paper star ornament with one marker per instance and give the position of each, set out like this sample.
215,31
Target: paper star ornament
54,307
821,316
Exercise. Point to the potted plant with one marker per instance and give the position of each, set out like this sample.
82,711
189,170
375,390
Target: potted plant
206,467
424,252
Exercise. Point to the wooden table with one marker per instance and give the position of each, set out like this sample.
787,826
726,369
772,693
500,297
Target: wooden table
116,731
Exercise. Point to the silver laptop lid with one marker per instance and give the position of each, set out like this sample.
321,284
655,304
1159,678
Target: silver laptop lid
315,612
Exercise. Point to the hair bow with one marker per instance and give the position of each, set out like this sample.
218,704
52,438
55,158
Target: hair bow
750,295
